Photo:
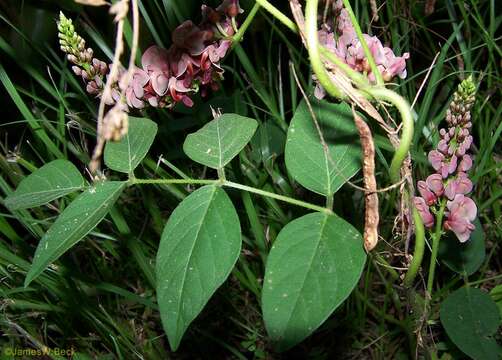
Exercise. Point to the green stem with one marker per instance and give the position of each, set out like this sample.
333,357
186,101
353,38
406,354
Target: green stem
278,15
367,52
173,181
329,201
249,19
277,197
418,254
407,127
359,79
435,247
496,277
313,50
221,174
233,185
379,259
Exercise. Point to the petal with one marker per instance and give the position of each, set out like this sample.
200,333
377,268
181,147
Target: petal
436,159
426,194
465,163
435,184
159,83
424,211
155,59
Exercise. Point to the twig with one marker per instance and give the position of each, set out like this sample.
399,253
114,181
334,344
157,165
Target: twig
120,10
429,70
374,10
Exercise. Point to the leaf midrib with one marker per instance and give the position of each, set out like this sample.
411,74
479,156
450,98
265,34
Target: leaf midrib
189,260
56,250
321,230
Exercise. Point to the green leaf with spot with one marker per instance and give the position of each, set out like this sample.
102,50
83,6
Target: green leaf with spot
50,182
306,158
471,318
199,247
75,222
313,266
125,155
220,140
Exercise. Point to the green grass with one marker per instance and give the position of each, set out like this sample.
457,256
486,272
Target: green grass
100,296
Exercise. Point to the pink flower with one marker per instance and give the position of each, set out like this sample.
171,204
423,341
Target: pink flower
427,195
435,184
465,163
178,91
189,37
155,62
424,211
441,164
345,44
462,206
460,185
230,8
216,52
461,227
135,91
462,211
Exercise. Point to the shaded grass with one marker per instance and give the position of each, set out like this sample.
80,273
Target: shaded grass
100,296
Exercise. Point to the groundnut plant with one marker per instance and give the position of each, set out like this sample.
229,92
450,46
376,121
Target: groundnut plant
307,207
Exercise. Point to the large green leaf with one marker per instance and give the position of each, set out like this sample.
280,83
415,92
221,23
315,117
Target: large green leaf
126,154
464,258
75,222
51,181
312,267
198,249
470,318
220,140
306,159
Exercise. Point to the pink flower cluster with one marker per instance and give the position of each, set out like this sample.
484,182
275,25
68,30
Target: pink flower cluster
451,161
170,76
341,39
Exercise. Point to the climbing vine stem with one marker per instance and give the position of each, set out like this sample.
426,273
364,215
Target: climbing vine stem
380,93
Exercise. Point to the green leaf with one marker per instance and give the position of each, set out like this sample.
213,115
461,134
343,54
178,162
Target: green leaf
51,181
220,140
126,154
464,258
313,266
306,159
75,222
496,294
268,142
198,249
470,318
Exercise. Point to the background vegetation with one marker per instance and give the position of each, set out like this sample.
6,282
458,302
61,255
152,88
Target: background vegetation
100,296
